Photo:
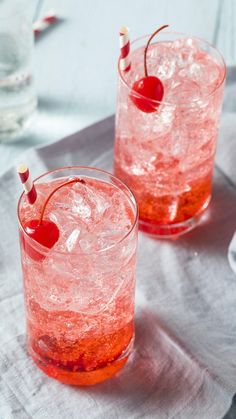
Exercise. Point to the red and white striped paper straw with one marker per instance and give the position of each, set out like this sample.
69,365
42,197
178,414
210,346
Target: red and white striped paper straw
124,49
44,23
27,183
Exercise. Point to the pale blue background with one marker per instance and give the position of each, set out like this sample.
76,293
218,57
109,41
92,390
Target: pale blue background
75,62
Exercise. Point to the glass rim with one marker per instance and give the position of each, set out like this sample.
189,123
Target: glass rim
43,249
179,104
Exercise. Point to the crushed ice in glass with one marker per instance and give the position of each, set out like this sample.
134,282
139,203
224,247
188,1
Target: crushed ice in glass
91,216
187,71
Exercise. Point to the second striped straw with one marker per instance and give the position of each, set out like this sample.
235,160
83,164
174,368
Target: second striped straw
125,63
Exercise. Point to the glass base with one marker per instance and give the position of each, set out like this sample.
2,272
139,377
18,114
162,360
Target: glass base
14,120
82,378
172,231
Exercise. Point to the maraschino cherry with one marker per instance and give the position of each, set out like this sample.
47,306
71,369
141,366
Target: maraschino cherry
149,89
43,231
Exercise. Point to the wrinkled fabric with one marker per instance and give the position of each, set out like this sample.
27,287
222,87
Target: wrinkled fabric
183,365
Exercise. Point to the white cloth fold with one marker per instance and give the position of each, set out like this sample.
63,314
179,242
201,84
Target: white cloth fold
183,365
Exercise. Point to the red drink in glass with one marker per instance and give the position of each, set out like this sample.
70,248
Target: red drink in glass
79,295
166,157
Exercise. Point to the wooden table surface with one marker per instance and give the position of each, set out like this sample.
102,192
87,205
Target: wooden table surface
75,61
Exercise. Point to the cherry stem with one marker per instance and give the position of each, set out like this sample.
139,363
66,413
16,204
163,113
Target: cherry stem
147,45
55,190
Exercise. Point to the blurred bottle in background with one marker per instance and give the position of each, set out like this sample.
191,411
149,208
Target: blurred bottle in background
17,93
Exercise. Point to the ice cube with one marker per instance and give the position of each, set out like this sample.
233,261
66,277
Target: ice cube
109,237
101,204
88,243
72,240
166,69
82,209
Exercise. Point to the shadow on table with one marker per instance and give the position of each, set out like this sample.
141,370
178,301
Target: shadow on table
161,376
231,414
218,225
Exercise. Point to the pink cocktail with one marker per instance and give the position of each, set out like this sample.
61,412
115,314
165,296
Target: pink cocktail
79,294
166,157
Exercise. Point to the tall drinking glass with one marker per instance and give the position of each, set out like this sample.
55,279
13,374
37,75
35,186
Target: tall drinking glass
166,157
79,294
17,92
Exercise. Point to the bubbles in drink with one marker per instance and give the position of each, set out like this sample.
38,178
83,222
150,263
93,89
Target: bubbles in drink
166,157
17,92
80,296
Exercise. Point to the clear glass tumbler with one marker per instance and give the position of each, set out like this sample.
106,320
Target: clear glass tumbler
79,294
166,156
17,92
